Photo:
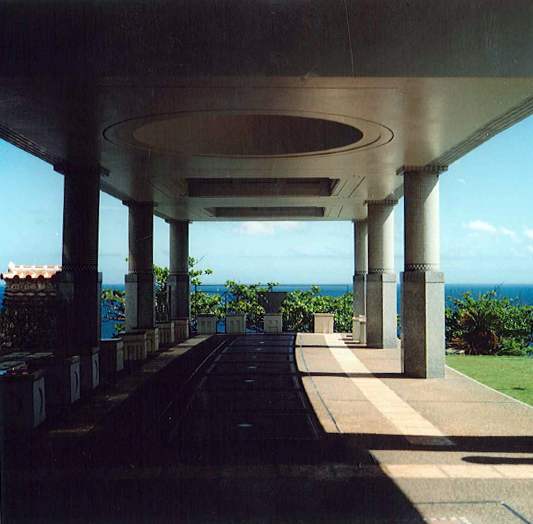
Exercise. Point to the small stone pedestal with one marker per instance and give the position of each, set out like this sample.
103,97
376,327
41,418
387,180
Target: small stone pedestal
236,323
324,322
111,356
90,370
24,400
273,323
63,384
206,324
135,346
359,329
181,328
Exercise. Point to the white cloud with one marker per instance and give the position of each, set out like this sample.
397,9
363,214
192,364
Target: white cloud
529,233
508,232
529,249
479,225
265,228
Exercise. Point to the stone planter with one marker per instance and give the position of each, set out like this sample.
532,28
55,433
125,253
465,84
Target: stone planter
236,323
206,324
324,322
273,323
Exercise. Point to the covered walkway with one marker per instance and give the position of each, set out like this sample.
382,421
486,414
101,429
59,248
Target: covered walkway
278,429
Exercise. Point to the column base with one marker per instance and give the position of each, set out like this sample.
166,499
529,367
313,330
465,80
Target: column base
179,290
135,346
89,370
359,295
111,356
181,329
381,296
140,301
423,327
166,333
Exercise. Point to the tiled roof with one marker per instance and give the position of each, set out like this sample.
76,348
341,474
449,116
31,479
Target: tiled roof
29,271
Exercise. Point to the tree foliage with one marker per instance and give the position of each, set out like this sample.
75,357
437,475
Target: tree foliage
297,308
489,325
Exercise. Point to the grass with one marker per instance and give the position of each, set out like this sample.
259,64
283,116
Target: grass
510,375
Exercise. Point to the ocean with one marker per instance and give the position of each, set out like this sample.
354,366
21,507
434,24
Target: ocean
523,292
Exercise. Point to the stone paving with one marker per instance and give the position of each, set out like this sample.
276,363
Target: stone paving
290,429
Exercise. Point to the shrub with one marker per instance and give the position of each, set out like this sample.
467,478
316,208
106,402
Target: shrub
489,325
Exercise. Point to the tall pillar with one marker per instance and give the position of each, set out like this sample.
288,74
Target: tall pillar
179,282
381,290
422,282
361,267
140,287
80,284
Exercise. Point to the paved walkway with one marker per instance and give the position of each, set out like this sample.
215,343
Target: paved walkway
292,429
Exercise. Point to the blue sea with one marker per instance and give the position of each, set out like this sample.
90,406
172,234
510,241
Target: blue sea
523,292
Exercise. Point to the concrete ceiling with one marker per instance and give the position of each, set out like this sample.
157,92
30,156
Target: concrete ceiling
243,110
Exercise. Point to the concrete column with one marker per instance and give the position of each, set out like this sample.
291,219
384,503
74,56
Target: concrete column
179,282
361,267
422,283
140,286
79,283
381,281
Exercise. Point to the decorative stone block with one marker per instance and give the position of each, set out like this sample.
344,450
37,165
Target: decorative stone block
63,384
181,328
111,355
90,370
152,340
273,323
135,345
206,324
24,399
324,322
236,323
166,333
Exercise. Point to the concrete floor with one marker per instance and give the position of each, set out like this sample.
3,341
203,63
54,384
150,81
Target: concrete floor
284,429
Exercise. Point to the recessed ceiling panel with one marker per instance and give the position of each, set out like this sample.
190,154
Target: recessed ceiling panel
246,134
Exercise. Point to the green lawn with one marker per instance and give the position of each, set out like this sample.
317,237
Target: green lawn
510,375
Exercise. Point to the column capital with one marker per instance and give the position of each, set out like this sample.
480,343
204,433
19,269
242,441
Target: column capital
427,169
70,169
385,202
360,221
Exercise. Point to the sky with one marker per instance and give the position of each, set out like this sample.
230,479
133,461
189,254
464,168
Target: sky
486,209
